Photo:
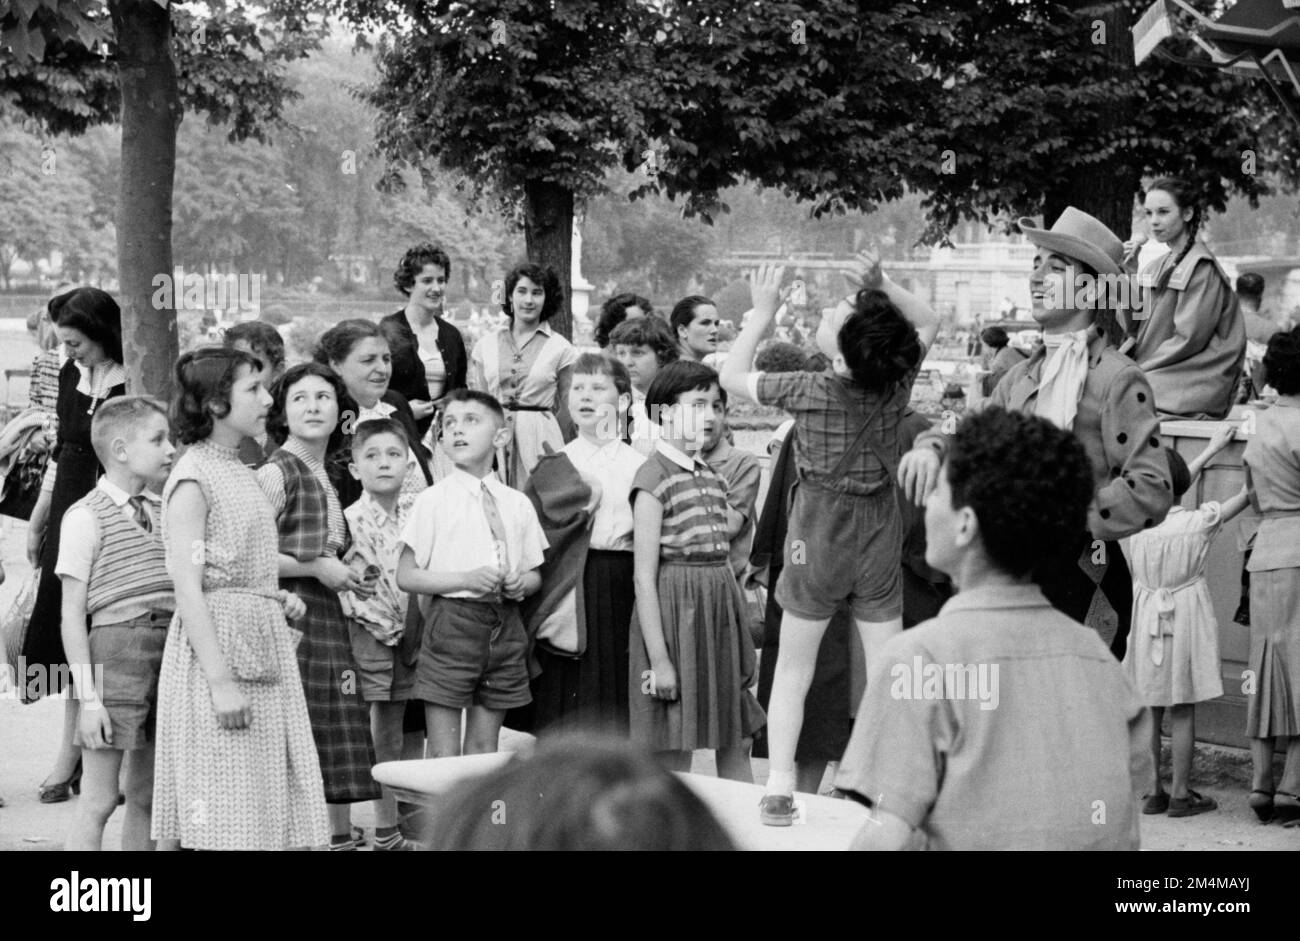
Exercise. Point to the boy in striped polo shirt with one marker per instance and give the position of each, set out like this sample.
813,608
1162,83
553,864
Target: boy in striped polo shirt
117,604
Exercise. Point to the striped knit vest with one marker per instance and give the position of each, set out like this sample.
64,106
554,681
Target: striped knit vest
130,563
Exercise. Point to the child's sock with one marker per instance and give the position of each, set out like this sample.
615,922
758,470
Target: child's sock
780,782
342,841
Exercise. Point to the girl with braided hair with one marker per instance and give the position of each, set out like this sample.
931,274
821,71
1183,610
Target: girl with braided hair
1190,336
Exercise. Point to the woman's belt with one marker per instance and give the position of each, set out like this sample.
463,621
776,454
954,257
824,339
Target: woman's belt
516,407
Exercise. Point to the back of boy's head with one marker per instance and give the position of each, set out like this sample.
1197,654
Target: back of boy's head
473,395
648,331
600,364
675,379
580,793
879,346
263,340
373,427
1180,475
1029,483
1282,361
122,417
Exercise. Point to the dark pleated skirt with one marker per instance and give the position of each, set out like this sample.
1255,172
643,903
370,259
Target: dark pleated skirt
340,719
590,693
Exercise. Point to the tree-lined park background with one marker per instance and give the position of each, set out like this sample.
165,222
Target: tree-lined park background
311,142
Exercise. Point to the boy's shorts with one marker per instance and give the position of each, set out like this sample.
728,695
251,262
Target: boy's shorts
384,676
842,546
473,653
128,658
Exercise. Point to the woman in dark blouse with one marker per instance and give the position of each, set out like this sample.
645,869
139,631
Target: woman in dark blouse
89,324
429,357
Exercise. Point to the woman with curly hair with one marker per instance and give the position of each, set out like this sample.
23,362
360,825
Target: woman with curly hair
844,537
617,310
235,766
525,365
1273,476
428,352
1191,338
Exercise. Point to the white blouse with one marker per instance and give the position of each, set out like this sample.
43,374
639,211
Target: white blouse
613,466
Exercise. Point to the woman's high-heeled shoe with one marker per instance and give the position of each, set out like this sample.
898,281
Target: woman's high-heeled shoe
1288,812
58,793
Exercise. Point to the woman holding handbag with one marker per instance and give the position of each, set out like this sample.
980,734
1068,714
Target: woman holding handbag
89,324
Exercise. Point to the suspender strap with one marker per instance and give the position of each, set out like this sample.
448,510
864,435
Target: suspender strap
863,436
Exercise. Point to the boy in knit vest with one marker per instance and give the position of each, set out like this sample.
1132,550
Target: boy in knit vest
117,605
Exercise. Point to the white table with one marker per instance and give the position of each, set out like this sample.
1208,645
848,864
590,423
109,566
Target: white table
830,823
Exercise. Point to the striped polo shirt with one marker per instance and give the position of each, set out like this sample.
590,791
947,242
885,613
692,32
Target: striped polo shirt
694,500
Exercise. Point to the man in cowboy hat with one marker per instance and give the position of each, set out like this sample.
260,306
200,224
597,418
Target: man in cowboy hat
1081,383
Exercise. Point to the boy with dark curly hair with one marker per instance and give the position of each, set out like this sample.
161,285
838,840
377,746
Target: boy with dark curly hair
1001,723
844,538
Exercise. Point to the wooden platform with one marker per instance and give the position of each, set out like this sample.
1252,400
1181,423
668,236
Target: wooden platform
830,824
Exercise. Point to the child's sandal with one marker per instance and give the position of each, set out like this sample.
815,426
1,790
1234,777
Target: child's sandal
1287,814
1262,803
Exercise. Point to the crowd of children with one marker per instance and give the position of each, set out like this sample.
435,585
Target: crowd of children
248,645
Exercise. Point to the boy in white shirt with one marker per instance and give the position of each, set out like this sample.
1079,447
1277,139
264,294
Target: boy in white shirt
471,551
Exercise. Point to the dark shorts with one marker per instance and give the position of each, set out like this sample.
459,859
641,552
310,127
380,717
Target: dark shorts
473,654
841,546
128,657
384,677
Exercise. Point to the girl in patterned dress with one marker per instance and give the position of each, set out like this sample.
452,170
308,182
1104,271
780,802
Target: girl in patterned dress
235,767
525,366
691,658
312,534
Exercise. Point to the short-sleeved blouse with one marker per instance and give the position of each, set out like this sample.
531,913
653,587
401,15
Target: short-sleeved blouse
526,375
694,527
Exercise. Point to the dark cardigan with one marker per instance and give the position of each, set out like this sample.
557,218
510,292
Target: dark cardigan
408,372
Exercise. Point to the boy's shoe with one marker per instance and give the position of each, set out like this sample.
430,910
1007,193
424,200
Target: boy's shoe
1156,803
776,810
397,844
1191,805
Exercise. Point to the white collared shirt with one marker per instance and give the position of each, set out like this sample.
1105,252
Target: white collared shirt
679,457
448,529
614,465
79,544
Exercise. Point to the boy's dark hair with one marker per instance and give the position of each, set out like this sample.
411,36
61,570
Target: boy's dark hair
1282,361
878,344
538,274
121,417
1029,484
647,331
474,395
372,427
599,364
780,356
277,425
413,262
1250,284
577,794
94,313
674,380
204,378
994,337
684,311
1180,476
336,343
262,338
614,312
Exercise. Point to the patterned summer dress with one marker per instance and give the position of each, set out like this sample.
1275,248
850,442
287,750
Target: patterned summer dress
257,788
311,524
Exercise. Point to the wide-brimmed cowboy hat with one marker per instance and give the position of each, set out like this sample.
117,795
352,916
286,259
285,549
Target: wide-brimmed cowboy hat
1079,236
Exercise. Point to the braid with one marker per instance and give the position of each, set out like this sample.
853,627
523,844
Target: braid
1183,195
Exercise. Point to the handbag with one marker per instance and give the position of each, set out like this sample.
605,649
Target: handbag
13,629
21,465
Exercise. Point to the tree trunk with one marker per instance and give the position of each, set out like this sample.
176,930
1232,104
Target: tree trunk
1105,189
548,231
151,115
